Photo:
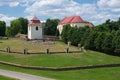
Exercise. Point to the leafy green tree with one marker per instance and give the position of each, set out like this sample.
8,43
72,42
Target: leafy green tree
107,43
85,36
89,42
99,41
72,35
15,27
51,26
24,25
2,28
8,31
65,32
116,42
57,32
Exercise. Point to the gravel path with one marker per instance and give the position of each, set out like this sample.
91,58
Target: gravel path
21,76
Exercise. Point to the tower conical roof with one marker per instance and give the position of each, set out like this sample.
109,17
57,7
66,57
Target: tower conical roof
35,20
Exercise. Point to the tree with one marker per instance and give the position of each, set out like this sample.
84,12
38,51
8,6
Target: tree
57,33
8,31
51,26
116,42
89,42
17,26
2,28
65,32
107,43
99,41
24,25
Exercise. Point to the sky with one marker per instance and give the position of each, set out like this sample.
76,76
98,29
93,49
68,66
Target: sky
95,11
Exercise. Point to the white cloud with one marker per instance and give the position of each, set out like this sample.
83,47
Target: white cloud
59,8
112,5
13,4
6,18
95,12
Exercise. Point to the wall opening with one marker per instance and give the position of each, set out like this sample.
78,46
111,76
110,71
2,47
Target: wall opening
36,28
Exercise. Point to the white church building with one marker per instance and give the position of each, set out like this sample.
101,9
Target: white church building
73,21
35,29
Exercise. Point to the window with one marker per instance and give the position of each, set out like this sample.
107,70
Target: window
36,28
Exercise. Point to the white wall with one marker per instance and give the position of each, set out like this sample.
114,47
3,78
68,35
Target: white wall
77,24
35,34
60,27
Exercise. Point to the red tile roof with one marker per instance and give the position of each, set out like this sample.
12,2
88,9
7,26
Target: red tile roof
34,20
72,19
89,24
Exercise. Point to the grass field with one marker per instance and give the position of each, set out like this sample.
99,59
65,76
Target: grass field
60,60
18,45
6,78
88,74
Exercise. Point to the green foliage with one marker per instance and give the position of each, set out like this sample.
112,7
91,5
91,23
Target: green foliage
8,31
2,28
65,33
51,27
17,26
116,42
24,25
104,37
107,43
99,41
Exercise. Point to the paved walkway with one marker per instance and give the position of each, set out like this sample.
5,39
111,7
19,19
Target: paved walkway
21,76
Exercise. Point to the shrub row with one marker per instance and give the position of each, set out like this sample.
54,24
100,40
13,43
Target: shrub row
104,37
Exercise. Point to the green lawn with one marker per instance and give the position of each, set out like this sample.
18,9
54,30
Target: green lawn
6,78
87,74
18,46
60,60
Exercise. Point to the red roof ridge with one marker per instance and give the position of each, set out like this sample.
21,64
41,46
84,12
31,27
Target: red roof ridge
71,19
34,20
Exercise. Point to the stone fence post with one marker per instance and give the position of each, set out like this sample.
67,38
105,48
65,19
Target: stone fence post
8,49
47,51
67,50
25,51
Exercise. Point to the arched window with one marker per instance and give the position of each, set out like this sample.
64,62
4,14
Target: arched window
36,28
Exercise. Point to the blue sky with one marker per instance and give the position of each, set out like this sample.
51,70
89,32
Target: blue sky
95,11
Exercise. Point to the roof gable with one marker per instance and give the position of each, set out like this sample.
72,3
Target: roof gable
34,20
72,19
77,19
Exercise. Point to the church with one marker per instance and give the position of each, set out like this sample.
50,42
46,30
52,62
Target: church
73,21
35,29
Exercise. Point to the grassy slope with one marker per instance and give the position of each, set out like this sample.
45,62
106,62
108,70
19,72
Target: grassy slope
58,60
86,58
88,74
19,45
6,78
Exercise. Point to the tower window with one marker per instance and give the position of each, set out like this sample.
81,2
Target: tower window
36,28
